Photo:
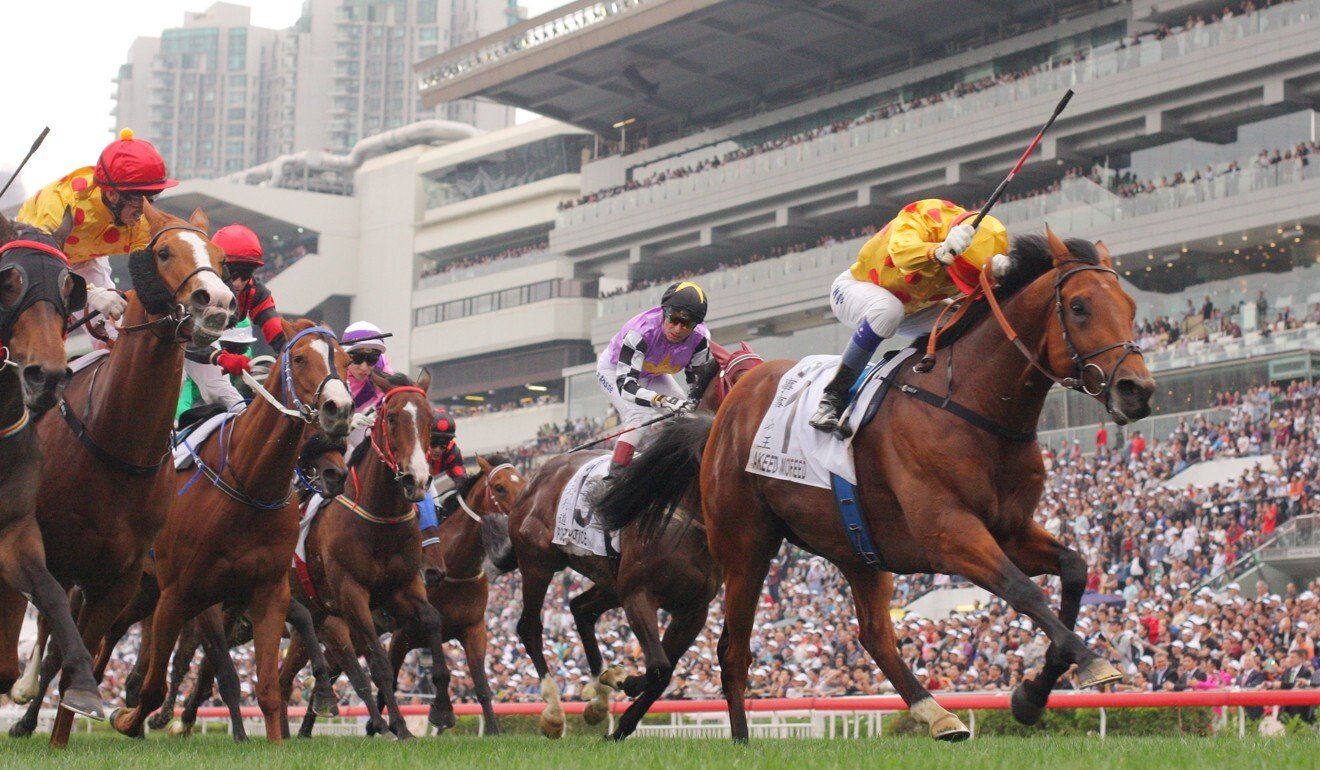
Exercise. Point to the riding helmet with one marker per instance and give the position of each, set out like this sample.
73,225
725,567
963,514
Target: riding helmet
687,297
239,244
129,164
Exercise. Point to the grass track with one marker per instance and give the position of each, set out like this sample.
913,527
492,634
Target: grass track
580,751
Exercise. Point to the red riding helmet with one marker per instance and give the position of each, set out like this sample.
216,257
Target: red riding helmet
239,244
444,424
129,164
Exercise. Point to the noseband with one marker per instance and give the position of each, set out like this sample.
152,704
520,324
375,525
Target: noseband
307,412
179,315
488,497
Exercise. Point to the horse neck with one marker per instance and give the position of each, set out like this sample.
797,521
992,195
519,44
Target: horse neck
12,407
1002,385
460,539
138,389
264,444
376,490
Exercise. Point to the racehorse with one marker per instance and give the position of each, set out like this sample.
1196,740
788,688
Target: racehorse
947,484
37,295
676,574
364,551
232,529
106,484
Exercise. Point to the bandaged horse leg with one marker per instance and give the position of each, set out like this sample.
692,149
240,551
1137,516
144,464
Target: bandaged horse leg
25,689
587,607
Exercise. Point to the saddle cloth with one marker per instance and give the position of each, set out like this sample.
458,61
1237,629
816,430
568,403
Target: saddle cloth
787,447
191,441
82,362
577,530
313,506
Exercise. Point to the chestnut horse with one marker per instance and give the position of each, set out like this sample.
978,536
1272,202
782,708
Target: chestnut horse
941,491
37,295
106,483
232,529
675,574
364,551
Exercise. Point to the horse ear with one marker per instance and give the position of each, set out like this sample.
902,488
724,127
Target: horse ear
1103,251
1057,248
485,466
200,220
7,231
380,379
61,233
424,380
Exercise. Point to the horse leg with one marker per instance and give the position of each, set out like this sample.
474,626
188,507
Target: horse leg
323,700
474,649
270,605
203,687
23,566
587,607
184,652
13,611
660,656
47,666
339,645
211,626
1039,553
138,609
530,631
980,559
295,657
98,615
171,613
411,602
872,591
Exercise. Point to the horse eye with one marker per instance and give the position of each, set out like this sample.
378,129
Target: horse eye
1078,307
163,254
299,359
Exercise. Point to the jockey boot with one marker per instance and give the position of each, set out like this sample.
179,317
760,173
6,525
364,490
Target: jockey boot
834,401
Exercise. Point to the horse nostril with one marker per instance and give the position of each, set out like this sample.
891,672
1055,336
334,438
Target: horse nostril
331,408
233,306
200,298
34,376
333,476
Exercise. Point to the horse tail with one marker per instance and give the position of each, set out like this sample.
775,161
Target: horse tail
495,540
652,487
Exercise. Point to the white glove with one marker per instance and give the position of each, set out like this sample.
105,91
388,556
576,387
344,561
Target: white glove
362,420
955,243
1000,264
671,404
107,301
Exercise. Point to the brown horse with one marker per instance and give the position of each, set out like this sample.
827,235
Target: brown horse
231,531
674,573
106,483
462,543
364,551
37,295
947,490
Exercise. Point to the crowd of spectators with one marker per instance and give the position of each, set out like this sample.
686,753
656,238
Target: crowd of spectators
280,256
898,107
437,267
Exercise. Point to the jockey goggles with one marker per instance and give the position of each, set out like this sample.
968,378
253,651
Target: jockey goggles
369,357
680,318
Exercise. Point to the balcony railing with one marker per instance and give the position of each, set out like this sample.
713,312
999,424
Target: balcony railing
1100,63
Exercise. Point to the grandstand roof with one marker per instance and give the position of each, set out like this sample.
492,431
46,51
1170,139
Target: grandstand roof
672,63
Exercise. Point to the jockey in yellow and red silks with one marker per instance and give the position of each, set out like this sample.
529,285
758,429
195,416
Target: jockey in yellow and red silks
927,253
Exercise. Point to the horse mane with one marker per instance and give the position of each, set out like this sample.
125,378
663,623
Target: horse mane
496,459
1030,259
359,452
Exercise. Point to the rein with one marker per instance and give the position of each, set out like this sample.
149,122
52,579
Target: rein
235,492
352,505
489,502
300,411
387,458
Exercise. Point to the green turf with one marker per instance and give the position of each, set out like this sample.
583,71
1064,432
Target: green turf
582,751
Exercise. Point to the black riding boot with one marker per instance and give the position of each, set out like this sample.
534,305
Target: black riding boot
833,402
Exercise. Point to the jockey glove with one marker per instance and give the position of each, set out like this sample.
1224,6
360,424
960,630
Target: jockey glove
234,364
108,302
671,404
955,243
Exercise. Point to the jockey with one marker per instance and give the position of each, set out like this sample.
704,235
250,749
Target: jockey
447,459
243,257
107,201
926,254
636,369
365,344
207,384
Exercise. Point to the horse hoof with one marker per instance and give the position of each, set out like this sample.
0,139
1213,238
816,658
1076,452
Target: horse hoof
122,721
1096,673
596,711
552,727
1027,706
159,720
401,732
949,728
21,729
325,705
85,703
179,729
441,719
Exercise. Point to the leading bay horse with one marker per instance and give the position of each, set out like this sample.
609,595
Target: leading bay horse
37,295
948,490
231,532
674,573
106,483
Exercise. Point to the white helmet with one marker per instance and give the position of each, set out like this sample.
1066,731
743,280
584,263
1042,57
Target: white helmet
367,332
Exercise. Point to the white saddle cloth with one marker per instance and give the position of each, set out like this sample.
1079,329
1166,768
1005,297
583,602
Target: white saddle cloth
313,506
183,453
577,530
787,447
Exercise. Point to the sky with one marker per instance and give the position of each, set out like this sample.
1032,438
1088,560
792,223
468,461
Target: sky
59,73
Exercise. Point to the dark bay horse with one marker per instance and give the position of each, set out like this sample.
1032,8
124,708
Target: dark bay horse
462,543
231,531
106,483
364,551
674,573
939,494
37,295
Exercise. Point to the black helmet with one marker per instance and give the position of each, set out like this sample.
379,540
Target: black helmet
687,297
444,427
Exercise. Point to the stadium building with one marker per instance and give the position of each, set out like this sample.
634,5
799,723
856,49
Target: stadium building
754,144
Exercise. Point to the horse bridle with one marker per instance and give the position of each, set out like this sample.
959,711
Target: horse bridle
306,412
739,363
179,315
387,455
1081,361
38,291
488,499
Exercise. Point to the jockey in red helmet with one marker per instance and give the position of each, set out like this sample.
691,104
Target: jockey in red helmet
107,201
444,454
